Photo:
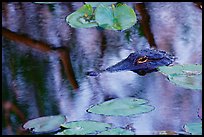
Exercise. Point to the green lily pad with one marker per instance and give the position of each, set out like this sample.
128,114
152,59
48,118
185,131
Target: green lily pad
95,4
187,69
116,131
60,133
84,127
187,76
122,107
125,16
120,17
45,124
193,128
194,82
82,18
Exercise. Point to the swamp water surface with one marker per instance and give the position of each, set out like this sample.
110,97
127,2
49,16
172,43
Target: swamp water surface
35,84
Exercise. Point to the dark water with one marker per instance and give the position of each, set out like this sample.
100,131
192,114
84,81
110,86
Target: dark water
35,84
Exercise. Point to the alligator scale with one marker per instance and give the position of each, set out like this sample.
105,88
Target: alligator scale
141,62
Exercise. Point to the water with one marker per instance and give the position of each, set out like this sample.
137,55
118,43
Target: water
36,84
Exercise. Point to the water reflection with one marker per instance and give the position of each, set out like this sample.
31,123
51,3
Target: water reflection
36,82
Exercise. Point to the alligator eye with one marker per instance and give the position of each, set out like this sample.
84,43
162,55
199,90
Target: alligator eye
141,60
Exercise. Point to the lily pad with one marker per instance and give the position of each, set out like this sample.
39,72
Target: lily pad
194,82
84,127
193,128
122,107
95,4
45,124
187,76
186,69
60,133
125,16
82,18
120,17
116,131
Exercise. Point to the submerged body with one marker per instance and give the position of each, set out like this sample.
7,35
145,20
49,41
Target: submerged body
141,62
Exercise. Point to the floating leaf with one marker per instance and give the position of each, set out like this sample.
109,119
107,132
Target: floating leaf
187,76
60,133
193,128
122,107
104,16
120,17
194,83
187,69
95,4
84,127
116,131
45,124
125,16
82,18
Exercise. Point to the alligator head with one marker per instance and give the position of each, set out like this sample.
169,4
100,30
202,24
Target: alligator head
141,62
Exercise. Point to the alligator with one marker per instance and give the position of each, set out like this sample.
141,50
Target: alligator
141,62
